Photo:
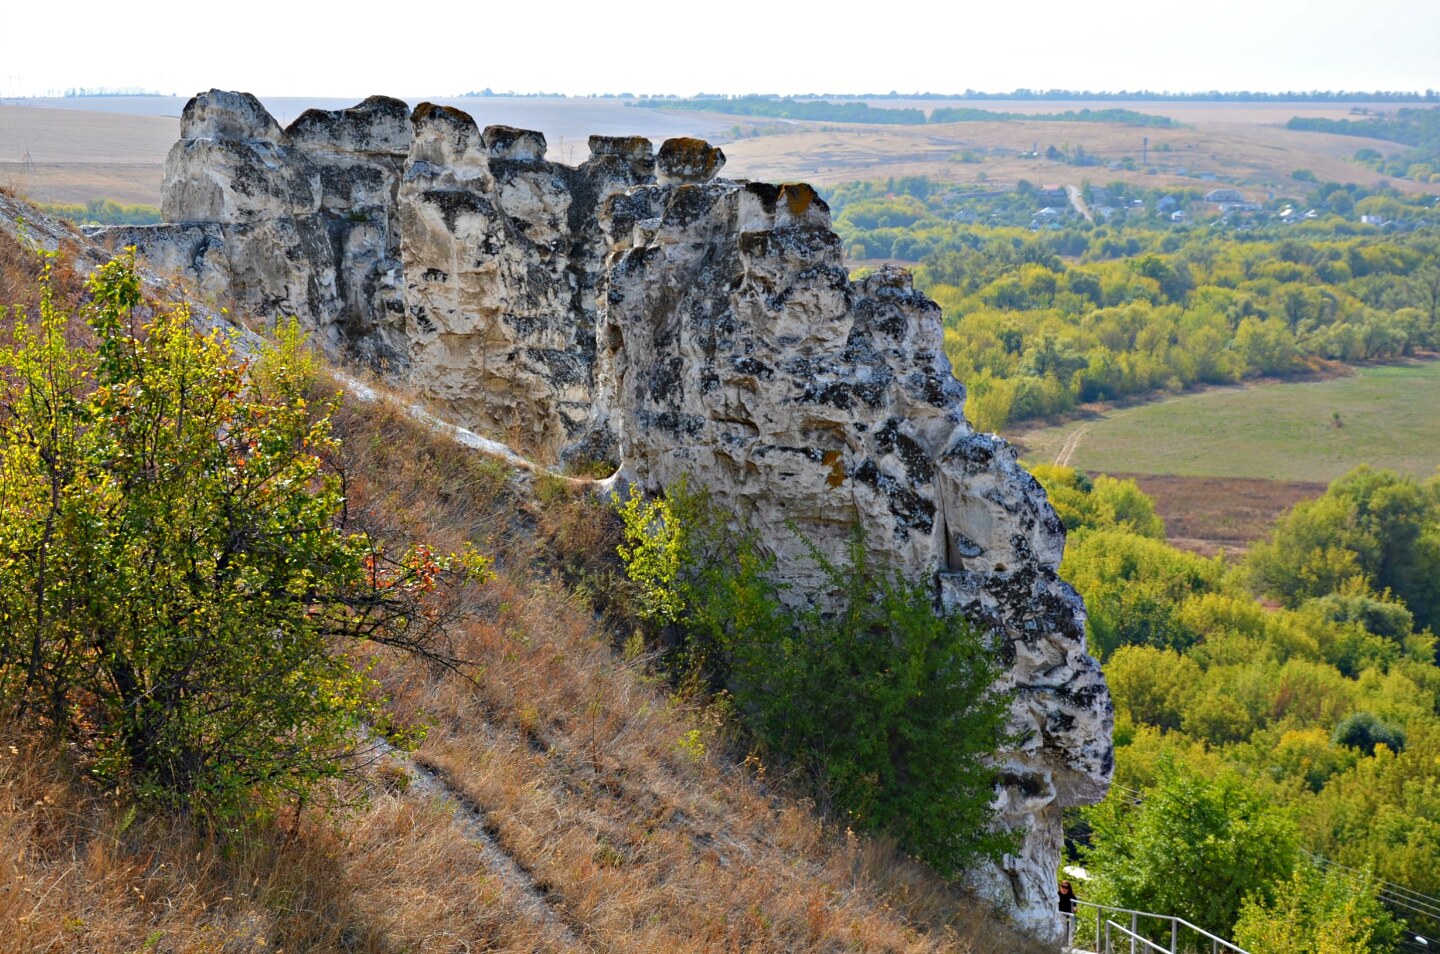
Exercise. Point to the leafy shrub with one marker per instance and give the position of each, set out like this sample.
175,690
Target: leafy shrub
1335,911
887,707
178,600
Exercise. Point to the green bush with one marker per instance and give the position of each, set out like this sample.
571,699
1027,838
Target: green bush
1363,731
178,600
888,708
1335,911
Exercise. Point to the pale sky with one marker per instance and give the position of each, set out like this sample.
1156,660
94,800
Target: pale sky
445,47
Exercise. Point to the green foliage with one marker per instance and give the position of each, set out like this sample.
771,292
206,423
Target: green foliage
177,600
1383,617
1196,847
886,706
1324,912
1361,730
1152,686
1045,313
1327,710
1104,503
655,551
1372,531
1135,589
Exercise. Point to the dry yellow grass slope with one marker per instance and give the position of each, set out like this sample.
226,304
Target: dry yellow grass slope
566,798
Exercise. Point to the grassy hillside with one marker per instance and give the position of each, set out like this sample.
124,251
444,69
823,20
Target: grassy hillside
565,798
1274,431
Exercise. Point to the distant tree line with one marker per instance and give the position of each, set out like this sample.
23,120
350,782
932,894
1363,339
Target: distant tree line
1127,117
1413,127
103,212
819,110
1417,128
75,92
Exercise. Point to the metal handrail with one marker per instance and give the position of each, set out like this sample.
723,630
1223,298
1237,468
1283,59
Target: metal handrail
1216,943
1110,948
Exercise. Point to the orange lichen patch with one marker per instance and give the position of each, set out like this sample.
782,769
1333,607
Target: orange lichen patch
428,110
798,196
836,465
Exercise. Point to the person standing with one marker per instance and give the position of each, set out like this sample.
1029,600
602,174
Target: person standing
1067,910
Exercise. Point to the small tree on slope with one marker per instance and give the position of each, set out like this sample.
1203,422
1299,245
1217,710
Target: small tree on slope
176,596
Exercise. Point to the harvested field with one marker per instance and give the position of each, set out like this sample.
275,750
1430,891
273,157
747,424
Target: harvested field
1212,515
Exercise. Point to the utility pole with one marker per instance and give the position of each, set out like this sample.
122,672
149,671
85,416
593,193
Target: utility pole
1145,151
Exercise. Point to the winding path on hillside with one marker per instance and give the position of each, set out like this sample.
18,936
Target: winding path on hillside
1067,450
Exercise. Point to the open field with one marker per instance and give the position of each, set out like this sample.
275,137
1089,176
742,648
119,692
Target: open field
1261,158
54,155
1273,431
115,147
1222,464
1211,515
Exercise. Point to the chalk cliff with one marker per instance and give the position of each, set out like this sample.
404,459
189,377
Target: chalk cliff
639,310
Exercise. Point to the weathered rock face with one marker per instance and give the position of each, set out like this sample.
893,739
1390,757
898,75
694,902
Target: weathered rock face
456,259
638,310
733,348
501,253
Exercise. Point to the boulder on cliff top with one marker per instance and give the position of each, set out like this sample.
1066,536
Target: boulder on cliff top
686,160
507,142
222,114
379,125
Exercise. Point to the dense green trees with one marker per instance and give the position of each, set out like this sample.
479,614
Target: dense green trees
1373,532
1327,706
177,599
1043,316
105,212
1033,338
1197,847
1325,912
888,708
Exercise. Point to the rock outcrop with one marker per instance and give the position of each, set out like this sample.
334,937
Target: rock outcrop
639,310
734,346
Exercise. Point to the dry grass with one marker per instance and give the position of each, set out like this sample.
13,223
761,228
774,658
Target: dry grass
80,872
619,798
19,278
620,802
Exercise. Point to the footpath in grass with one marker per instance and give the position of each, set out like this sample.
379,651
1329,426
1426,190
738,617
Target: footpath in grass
1386,416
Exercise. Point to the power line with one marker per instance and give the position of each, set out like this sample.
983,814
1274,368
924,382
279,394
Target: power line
1409,894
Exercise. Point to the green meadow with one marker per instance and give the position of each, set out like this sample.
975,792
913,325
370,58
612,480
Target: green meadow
1388,416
